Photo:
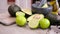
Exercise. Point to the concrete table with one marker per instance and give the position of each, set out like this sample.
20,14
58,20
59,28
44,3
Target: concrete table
14,29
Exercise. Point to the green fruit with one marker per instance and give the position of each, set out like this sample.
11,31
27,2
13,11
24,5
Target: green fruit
27,11
53,18
20,14
44,23
33,21
12,9
31,17
20,20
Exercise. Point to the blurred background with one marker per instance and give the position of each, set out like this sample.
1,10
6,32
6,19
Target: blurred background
22,3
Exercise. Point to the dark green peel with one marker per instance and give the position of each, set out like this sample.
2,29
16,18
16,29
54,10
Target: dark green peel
12,9
54,19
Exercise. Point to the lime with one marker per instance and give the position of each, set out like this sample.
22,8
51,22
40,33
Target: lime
33,21
20,13
31,17
44,23
27,11
20,20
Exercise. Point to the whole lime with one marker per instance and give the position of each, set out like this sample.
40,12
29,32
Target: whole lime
20,20
44,23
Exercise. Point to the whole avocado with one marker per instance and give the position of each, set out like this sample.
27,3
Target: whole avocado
12,9
58,20
54,19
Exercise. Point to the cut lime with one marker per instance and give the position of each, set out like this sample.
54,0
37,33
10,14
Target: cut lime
20,13
34,20
31,17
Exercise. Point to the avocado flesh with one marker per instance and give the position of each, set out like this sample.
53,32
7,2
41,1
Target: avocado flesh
12,9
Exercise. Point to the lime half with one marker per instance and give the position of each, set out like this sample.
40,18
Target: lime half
33,22
18,13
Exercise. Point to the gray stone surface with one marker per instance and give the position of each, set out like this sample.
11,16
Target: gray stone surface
14,29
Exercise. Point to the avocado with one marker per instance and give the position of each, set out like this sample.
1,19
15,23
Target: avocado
12,9
27,12
58,20
54,19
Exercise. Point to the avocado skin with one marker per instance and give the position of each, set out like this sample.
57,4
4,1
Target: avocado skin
53,19
12,9
58,20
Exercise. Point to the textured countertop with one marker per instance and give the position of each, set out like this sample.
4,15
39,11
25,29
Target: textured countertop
14,29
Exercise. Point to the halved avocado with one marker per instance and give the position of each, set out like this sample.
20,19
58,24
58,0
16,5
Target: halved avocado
27,12
12,9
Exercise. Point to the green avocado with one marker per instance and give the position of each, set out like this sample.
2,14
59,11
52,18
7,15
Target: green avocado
53,18
12,9
58,20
